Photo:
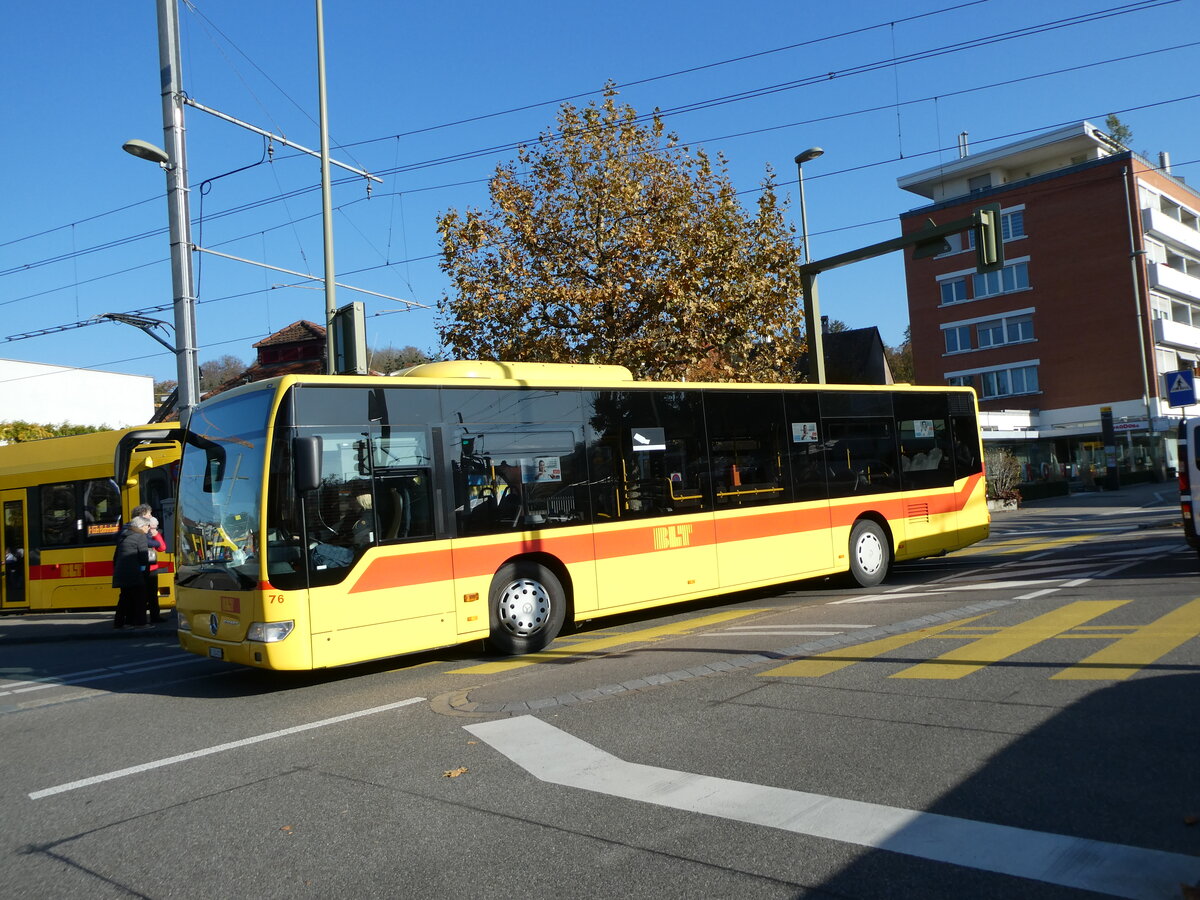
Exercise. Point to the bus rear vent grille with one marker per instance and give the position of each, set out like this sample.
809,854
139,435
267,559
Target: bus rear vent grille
918,512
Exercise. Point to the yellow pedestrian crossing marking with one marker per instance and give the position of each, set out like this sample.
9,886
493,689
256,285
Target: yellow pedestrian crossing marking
1024,545
1009,641
1128,648
594,645
1046,545
1130,652
832,660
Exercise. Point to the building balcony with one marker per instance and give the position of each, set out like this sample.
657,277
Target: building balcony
1164,278
1158,223
1176,334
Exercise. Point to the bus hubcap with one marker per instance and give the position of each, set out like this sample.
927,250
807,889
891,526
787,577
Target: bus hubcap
870,553
524,607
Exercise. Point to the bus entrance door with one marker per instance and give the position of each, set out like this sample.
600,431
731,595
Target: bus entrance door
13,592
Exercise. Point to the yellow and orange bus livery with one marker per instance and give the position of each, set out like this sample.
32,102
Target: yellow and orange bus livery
328,520
65,499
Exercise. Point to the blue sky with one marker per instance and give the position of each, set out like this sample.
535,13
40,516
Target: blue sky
84,229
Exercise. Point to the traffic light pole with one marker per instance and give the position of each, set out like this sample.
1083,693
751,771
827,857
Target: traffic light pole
929,241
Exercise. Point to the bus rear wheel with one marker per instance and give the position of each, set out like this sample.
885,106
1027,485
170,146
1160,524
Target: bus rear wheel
870,554
526,608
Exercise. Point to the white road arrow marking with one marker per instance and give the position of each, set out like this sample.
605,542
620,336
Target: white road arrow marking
554,756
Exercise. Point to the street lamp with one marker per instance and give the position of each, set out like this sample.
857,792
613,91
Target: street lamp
801,158
147,150
181,275
173,161
808,282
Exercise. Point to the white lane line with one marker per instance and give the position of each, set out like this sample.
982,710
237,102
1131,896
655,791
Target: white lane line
769,633
100,674
874,598
1035,594
219,748
1021,534
941,591
807,624
554,756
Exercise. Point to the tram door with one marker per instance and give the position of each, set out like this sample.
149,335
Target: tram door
12,549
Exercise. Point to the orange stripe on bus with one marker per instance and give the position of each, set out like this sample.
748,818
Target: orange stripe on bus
401,571
483,559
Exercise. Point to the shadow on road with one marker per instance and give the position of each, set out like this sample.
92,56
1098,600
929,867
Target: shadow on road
1119,766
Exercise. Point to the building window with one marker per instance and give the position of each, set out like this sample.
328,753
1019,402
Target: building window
1019,328
1005,281
1180,214
979,183
1006,330
954,291
991,334
961,381
958,339
1007,382
1012,225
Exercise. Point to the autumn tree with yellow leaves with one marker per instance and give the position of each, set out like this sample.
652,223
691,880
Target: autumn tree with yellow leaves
609,242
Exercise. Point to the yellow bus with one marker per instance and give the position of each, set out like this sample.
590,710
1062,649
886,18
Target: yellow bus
65,499
328,520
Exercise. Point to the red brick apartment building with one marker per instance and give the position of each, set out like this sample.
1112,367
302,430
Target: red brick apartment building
1098,298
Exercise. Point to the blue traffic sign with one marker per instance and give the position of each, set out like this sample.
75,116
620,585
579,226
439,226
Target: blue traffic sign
1181,387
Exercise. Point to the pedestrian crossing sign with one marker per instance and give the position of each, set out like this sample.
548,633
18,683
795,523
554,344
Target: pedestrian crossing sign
1181,387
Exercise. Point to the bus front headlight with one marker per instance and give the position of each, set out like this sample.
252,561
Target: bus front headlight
181,621
269,632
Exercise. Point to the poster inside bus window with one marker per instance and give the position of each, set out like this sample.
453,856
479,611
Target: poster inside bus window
541,469
804,432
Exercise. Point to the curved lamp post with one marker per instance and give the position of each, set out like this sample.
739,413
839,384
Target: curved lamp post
812,315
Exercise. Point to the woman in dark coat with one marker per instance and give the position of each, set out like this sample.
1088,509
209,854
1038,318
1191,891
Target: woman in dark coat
130,562
158,545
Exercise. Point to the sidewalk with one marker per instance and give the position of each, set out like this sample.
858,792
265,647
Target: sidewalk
87,625
1155,495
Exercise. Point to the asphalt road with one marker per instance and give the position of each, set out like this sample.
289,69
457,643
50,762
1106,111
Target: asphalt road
1015,720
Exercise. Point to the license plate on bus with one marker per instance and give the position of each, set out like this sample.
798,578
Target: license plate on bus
216,652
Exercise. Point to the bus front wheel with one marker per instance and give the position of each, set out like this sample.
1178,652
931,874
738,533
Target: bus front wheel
869,553
527,606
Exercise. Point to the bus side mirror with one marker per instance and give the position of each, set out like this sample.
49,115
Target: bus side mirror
306,459
214,460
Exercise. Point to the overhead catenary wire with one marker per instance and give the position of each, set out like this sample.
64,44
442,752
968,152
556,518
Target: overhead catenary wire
301,191
293,221
284,196
972,43
503,112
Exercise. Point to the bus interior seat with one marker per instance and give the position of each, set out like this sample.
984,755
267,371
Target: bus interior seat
400,514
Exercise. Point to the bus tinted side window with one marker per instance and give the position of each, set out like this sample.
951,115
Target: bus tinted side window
101,510
647,453
860,443
809,469
965,427
748,453
58,515
517,459
926,442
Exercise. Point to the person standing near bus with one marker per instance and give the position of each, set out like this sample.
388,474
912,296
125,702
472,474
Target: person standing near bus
131,560
156,545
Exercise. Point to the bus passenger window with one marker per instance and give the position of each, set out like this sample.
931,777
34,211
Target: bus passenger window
58,515
405,505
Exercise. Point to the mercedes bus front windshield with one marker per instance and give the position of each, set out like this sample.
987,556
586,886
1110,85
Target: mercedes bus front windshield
220,493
